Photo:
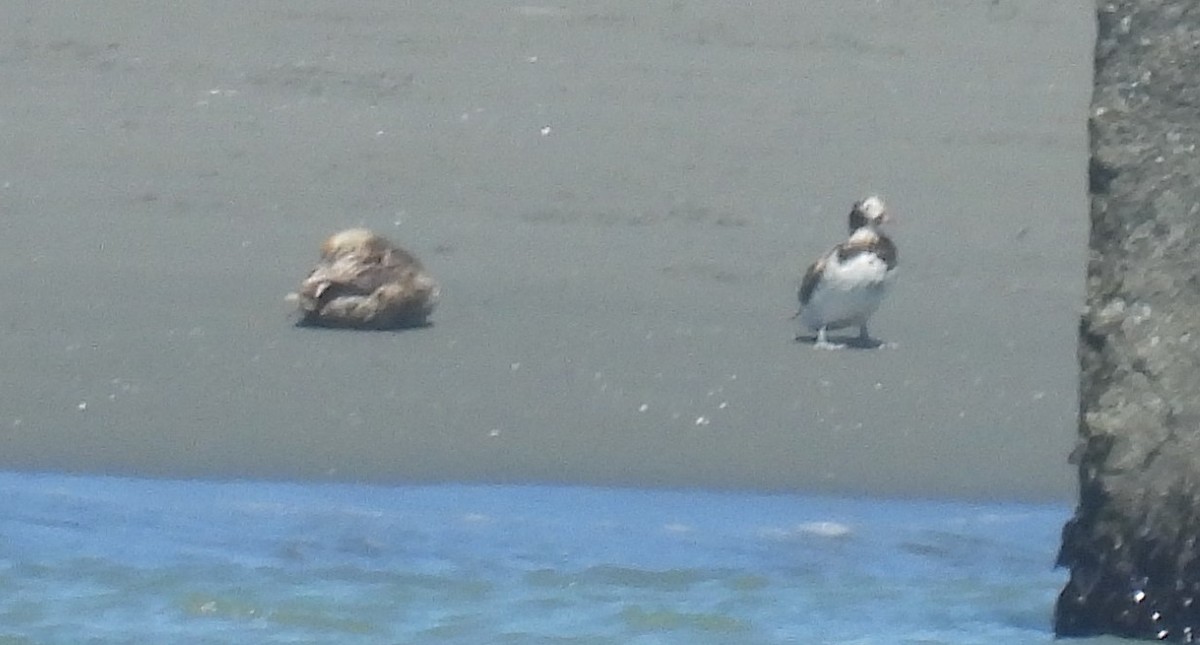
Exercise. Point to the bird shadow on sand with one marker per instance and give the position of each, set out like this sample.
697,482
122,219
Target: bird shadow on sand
841,342
395,328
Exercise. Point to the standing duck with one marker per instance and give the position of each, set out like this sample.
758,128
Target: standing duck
364,281
847,284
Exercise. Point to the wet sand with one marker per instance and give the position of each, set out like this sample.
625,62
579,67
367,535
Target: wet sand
618,199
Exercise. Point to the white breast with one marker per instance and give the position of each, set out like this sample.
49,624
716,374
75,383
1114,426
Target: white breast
848,293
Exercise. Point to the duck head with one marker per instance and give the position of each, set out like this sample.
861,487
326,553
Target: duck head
870,212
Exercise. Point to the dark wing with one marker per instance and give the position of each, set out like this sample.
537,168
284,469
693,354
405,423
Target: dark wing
886,250
812,277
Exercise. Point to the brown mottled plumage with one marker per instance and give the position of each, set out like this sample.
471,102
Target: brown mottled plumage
365,281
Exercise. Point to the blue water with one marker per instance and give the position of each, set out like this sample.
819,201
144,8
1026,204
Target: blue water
111,560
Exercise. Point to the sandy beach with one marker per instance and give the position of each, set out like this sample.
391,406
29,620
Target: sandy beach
618,199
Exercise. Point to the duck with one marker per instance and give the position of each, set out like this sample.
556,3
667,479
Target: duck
365,281
846,285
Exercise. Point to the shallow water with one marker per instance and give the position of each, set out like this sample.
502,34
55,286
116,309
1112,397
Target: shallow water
108,560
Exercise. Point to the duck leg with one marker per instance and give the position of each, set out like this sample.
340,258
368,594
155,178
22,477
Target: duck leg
865,340
823,341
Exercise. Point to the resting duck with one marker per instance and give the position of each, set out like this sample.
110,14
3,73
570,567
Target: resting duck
846,284
363,281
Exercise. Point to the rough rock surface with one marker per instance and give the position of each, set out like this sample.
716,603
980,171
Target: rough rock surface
1132,545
